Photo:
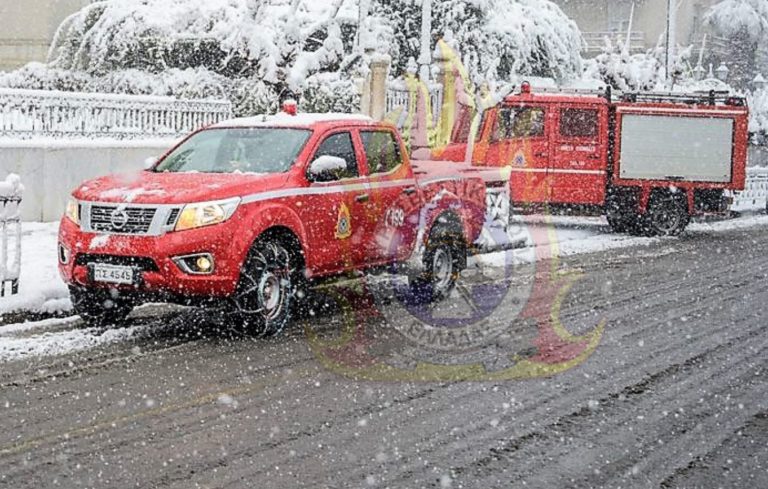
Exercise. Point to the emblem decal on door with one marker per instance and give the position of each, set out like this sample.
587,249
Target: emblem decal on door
519,159
344,225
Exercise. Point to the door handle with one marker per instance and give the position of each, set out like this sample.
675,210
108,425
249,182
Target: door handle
362,198
409,190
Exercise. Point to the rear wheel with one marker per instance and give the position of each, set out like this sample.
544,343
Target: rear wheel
667,215
98,307
264,298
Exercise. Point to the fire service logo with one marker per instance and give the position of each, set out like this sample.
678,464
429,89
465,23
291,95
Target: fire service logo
502,321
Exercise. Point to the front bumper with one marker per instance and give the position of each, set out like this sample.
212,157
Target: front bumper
152,258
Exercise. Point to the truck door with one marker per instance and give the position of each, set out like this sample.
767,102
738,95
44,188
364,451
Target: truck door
392,189
334,211
519,140
577,174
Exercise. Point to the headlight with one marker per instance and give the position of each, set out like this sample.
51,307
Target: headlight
206,214
73,210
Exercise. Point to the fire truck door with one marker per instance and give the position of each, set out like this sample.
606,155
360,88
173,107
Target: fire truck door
335,208
577,173
520,141
390,238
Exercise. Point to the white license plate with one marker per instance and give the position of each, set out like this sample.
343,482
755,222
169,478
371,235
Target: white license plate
113,275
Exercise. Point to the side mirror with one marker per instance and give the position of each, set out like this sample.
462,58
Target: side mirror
326,168
150,162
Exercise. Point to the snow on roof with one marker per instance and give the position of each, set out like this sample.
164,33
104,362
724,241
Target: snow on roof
300,120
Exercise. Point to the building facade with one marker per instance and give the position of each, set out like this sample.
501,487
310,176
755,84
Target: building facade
600,18
27,28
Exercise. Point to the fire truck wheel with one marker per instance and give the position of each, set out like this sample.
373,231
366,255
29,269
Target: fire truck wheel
667,215
97,308
264,297
619,222
444,258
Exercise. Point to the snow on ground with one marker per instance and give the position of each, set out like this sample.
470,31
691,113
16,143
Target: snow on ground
40,287
42,290
14,347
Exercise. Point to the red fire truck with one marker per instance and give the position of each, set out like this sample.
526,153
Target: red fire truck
647,161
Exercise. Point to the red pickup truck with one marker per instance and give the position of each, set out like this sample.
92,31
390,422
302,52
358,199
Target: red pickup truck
647,161
246,212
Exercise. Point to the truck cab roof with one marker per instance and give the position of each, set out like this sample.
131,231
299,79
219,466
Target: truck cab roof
299,121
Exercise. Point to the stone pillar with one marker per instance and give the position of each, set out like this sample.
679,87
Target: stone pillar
378,91
364,86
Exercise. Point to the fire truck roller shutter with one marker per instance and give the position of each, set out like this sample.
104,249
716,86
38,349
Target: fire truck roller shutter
691,149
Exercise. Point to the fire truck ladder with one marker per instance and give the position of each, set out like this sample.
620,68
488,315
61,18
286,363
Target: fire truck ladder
712,97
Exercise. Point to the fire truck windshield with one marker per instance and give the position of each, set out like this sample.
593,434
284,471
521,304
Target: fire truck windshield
244,150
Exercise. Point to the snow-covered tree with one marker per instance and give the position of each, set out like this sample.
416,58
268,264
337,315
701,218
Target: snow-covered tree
256,52
496,38
744,25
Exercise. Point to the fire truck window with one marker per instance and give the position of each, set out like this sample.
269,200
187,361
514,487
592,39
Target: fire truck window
340,145
519,123
578,123
381,150
481,127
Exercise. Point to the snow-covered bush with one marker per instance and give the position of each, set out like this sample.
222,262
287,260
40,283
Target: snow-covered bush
329,92
38,76
637,72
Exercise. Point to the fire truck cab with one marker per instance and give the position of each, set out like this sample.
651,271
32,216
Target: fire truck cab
647,161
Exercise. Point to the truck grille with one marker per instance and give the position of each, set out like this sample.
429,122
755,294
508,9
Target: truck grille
128,220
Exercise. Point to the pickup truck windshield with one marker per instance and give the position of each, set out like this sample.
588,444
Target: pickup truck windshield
247,150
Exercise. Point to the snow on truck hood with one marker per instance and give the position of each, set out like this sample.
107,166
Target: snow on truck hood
175,188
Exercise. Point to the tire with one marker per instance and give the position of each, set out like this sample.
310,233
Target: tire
667,215
264,299
444,258
618,222
98,308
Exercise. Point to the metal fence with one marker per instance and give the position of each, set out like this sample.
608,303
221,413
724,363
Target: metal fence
399,99
755,196
26,114
595,40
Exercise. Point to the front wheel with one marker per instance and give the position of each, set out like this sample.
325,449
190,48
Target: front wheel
264,297
99,308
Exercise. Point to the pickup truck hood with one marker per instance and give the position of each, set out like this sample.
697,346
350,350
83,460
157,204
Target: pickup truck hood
175,188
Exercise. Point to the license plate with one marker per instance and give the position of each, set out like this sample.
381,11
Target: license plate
113,274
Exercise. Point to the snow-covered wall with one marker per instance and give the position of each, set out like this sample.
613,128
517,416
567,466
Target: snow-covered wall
51,169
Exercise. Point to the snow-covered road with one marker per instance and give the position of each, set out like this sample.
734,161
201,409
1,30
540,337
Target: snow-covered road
673,396
42,291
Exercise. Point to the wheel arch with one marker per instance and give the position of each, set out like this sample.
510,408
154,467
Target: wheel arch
272,220
684,195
